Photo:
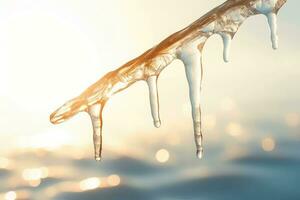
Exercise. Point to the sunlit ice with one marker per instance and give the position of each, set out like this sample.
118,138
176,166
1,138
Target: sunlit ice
52,50
50,139
185,45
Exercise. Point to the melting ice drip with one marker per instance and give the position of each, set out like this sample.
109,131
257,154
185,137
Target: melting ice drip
185,45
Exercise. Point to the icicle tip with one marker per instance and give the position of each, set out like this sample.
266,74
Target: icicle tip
157,124
98,159
200,153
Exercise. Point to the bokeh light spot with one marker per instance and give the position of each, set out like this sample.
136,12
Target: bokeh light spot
34,183
162,156
114,180
234,129
268,144
35,173
11,195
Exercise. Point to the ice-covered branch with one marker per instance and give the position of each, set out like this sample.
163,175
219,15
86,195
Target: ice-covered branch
185,45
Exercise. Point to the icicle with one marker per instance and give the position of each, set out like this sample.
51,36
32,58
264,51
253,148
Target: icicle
193,70
186,45
272,20
95,112
227,44
154,102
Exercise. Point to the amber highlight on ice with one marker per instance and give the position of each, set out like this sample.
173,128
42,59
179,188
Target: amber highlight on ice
185,45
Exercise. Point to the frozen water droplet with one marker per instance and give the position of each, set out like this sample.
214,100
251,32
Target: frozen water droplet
157,124
154,102
272,20
227,44
95,112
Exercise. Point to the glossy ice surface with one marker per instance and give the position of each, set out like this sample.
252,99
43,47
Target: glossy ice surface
185,45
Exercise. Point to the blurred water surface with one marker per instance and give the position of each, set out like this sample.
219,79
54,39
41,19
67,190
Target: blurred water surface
263,167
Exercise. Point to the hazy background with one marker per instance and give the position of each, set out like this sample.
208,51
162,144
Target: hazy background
50,51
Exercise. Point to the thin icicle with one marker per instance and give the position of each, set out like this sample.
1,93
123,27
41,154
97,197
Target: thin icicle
272,20
154,102
95,113
192,61
227,38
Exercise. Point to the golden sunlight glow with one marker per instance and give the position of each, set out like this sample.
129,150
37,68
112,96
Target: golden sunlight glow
45,140
292,120
89,183
11,195
162,156
113,180
234,129
268,144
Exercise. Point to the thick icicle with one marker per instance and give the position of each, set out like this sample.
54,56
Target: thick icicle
272,20
227,38
193,69
95,112
154,102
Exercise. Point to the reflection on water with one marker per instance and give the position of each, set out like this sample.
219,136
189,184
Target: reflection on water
266,166
247,158
268,144
89,183
162,155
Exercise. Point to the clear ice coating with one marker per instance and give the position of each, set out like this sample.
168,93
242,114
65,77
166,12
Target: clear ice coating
185,45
